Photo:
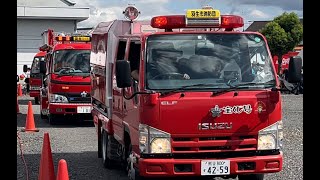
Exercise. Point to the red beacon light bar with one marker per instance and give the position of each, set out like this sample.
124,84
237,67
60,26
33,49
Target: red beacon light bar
198,18
67,39
73,38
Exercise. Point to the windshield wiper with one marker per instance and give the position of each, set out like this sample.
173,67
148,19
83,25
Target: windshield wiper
66,71
182,88
243,86
65,74
85,76
271,82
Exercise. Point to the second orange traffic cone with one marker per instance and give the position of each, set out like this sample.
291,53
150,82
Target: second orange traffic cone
18,110
62,173
30,126
19,90
46,168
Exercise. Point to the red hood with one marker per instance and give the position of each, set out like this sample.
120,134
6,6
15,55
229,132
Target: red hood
67,84
35,81
249,111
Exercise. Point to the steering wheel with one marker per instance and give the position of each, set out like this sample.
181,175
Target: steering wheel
169,75
66,69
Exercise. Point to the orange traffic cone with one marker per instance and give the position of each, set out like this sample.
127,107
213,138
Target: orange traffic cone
19,90
30,127
18,110
46,169
62,173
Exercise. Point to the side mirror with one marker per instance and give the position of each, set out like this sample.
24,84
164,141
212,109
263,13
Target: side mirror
25,68
123,74
295,67
43,67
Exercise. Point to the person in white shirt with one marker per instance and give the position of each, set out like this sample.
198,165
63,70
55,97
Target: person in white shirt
27,80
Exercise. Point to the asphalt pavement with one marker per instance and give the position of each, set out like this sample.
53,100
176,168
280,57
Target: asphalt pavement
77,144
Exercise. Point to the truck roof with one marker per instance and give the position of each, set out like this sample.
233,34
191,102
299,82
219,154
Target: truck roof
40,54
72,46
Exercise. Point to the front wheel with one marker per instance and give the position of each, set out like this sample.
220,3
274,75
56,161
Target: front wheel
251,177
43,116
133,173
105,148
52,119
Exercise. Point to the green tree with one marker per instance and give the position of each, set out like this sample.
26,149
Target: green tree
283,34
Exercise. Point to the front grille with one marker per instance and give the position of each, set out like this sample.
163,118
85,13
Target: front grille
77,98
213,144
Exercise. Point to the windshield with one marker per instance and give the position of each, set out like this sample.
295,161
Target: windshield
72,62
219,59
35,67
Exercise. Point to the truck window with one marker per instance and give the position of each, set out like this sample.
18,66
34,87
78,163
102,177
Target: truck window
134,55
134,58
71,62
35,67
121,50
217,58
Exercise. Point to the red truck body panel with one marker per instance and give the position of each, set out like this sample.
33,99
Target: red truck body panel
285,60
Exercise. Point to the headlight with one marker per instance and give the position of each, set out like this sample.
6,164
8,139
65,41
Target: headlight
160,145
152,140
58,98
271,137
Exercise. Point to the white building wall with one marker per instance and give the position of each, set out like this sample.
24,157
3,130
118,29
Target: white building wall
52,3
36,16
29,37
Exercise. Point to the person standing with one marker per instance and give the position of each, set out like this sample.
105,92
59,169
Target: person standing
27,80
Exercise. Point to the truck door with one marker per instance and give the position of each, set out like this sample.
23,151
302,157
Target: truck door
117,104
130,107
45,83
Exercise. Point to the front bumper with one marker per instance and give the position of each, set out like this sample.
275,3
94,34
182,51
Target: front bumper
68,108
168,167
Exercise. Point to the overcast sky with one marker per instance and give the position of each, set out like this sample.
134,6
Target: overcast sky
250,10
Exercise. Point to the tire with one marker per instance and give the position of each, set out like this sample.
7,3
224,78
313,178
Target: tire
36,100
297,89
43,116
52,119
132,172
251,177
99,144
105,145
301,89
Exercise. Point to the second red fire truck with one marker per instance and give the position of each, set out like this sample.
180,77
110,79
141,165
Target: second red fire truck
188,96
66,86
35,80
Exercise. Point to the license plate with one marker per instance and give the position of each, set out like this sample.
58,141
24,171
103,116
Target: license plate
84,109
215,167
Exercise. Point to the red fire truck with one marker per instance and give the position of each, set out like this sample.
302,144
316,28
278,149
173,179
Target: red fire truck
66,85
199,105
35,80
285,61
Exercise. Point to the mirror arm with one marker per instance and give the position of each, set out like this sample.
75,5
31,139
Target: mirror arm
134,94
